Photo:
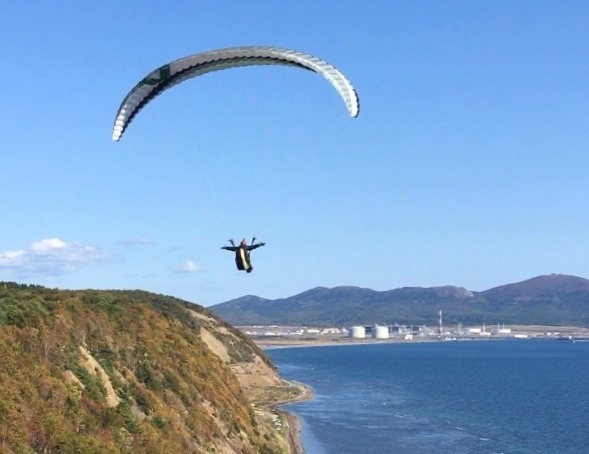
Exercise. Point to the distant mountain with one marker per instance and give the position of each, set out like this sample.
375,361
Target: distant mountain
554,299
551,286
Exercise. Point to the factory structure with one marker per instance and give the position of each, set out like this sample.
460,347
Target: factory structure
386,331
379,332
409,332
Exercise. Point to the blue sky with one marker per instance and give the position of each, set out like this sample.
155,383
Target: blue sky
468,164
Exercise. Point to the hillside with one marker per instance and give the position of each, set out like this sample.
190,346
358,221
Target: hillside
545,300
130,371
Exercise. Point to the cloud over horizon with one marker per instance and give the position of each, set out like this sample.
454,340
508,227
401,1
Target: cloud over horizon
187,267
50,257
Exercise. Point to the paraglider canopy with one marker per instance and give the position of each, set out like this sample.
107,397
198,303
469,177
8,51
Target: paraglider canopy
173,73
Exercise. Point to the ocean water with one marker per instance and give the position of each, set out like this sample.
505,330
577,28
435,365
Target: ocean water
518,396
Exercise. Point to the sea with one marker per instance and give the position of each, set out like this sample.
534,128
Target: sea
492,396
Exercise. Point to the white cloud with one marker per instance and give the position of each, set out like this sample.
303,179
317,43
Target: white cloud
187,267
50,257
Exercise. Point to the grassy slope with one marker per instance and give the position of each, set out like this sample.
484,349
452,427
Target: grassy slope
175,394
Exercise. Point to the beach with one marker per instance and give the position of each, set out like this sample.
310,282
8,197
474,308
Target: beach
293,422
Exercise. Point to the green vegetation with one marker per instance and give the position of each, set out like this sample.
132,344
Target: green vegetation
555,299
169,392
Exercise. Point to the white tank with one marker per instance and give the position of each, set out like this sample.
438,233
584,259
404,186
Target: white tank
380,332
357,332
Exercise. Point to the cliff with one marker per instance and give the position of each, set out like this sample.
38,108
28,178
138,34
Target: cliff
130,371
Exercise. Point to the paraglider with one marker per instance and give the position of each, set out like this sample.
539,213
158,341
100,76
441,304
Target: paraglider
242,253
176,72
180,70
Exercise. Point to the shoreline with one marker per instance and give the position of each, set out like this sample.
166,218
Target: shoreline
292,421
267,344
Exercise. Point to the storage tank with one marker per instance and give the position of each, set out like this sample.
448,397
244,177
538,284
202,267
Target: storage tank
380,332
357,332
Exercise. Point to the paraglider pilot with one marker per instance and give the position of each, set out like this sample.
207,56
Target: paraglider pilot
242,253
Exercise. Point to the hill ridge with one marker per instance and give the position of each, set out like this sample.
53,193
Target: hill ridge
553,299
130,371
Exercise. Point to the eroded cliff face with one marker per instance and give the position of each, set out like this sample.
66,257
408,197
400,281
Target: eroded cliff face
258,379
251,367
131,371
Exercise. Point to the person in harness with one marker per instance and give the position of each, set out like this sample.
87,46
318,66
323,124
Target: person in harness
242,253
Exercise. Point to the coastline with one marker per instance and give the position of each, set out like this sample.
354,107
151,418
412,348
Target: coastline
267,344
525,333
293,425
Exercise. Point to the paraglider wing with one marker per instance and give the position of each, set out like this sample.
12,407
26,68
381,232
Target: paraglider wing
182,69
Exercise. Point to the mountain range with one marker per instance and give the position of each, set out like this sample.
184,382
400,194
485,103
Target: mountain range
554,299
